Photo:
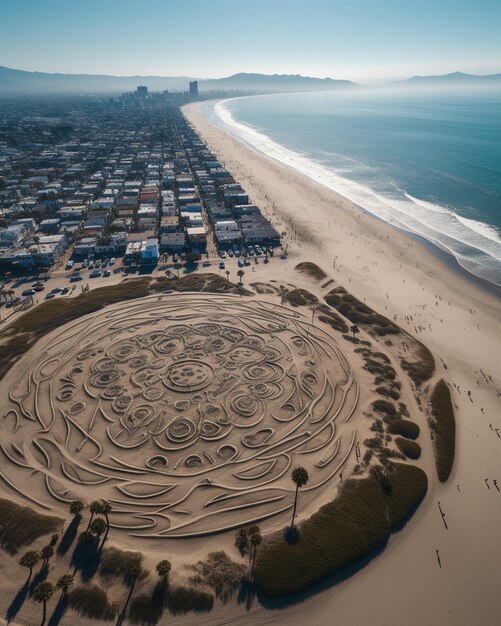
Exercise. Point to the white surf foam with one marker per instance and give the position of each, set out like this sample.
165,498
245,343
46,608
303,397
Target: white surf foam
475,245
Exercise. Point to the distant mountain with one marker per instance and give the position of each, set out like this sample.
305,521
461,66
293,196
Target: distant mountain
454,77
20,82
273,82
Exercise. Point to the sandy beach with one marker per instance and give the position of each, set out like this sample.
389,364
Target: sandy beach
460,323
441,568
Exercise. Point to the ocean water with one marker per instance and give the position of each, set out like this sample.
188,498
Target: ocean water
429,163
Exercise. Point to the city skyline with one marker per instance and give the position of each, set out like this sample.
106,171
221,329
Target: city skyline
364,42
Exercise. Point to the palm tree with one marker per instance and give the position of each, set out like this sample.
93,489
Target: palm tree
227,272
300,477
255,540
76,507
242,541
354,330
65,583
46,553
132,571
29,560
43,593
94,507
251,531
240,274
163,569
98,526
106,510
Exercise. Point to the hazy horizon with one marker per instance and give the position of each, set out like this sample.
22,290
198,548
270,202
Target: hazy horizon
364,43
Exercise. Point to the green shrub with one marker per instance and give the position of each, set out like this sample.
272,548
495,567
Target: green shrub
114,561
144,609
422,369
359,313
405,428
184,599
92,601
220,573
311,269
341,532
300,297
443,426
385,407
411,449
328,316
20,525
388,392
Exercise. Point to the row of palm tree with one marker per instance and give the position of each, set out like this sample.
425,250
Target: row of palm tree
45,590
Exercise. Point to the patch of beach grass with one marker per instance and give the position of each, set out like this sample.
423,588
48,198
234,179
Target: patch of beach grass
20,525
341,532
311,269
443,429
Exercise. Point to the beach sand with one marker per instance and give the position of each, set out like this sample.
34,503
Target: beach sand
400,278
460,322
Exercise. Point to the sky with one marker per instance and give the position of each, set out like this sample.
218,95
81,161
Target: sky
361,40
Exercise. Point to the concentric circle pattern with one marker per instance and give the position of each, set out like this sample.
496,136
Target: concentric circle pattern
185,412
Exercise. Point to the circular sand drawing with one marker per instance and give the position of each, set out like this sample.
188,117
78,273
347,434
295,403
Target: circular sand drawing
187,413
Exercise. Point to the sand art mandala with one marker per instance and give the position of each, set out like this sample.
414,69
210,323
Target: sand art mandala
185,412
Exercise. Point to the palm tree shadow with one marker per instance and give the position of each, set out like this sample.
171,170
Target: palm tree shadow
86,558
246,593
159,593
59,610
69,536
39,578
17,602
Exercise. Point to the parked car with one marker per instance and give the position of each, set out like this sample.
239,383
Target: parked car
95,274
97,263
76,277
39,288
112,260
56,290
70,264
91,265
106,273
240,263
222,265
50,295
29,292
64,291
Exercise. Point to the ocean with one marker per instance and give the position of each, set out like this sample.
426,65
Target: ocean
428,163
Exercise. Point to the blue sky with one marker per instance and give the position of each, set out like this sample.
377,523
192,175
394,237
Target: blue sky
357,39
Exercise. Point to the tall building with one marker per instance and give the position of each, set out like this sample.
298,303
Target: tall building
194,89
142,91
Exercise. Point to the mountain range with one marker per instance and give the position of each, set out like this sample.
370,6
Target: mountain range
453,77
20,82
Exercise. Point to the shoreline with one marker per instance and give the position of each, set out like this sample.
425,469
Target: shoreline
458,319
443,254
